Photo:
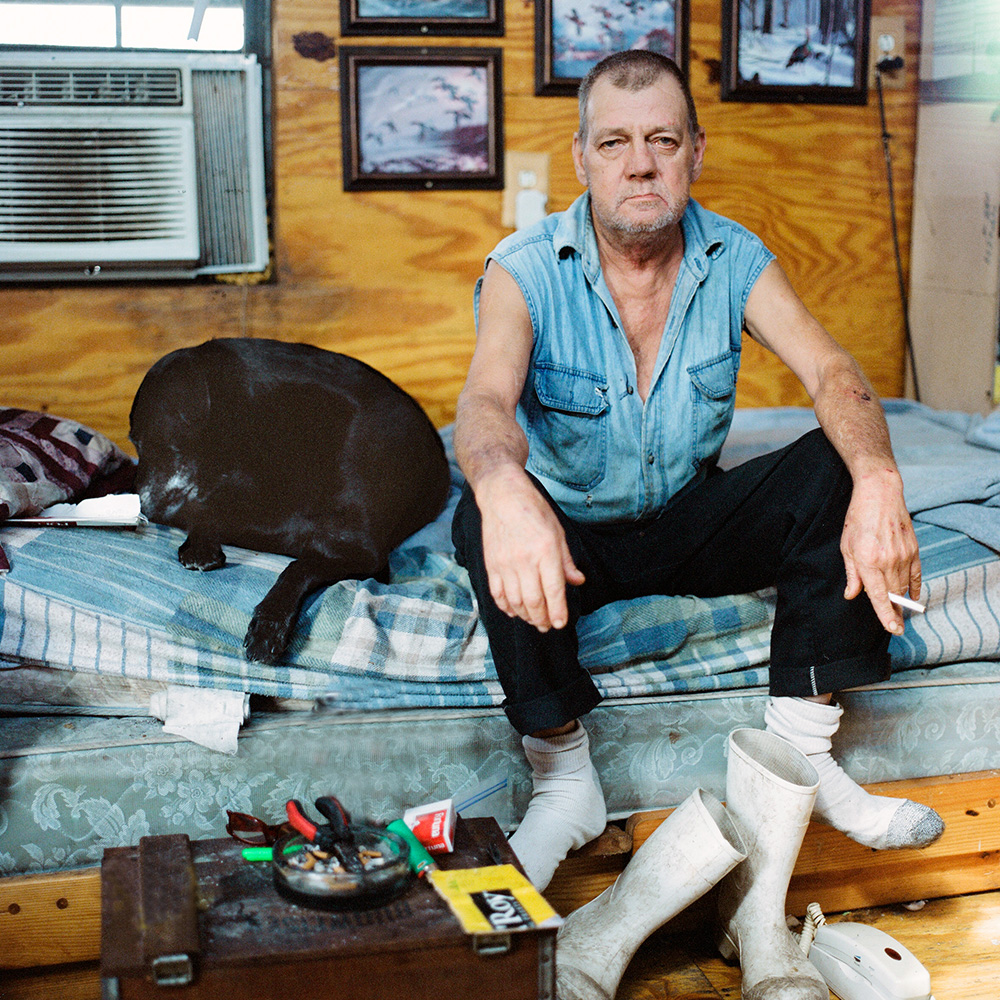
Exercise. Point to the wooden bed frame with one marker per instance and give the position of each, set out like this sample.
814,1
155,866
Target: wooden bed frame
50,924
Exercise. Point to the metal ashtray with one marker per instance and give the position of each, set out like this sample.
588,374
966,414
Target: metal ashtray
369,872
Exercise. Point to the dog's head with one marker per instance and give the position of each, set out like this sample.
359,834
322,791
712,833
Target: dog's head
168,424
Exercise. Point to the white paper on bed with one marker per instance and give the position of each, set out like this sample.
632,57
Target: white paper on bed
208,717
118,510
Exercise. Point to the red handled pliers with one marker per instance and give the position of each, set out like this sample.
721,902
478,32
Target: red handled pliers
334,836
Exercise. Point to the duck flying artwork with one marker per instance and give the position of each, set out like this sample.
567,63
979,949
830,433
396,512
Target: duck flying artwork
418,119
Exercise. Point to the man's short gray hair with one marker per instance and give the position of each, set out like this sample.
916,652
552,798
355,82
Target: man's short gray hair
634,70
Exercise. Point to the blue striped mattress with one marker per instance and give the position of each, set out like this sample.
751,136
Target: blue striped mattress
117,603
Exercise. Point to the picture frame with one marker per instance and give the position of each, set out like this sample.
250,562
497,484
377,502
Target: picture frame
421,118
817,53
571,37
421,17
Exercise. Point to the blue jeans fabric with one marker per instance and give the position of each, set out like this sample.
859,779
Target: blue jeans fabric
773,521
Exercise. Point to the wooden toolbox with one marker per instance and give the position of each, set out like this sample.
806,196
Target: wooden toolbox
195,920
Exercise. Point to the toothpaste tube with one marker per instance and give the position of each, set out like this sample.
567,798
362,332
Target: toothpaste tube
433,825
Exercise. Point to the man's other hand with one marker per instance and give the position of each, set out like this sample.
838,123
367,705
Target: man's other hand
527,558
880,550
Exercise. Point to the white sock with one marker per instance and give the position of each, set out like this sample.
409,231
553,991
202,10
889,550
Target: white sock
567,805
877,821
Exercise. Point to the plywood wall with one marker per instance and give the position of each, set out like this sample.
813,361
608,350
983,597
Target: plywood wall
388,276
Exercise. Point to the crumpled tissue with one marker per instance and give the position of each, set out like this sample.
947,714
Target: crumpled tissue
208,717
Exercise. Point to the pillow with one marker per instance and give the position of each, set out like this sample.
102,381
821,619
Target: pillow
46,460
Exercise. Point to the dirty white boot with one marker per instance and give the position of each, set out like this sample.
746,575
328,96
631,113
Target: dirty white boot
770,788
680,861
876,821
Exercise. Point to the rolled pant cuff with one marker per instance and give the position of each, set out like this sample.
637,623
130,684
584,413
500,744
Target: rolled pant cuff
555,708
826,678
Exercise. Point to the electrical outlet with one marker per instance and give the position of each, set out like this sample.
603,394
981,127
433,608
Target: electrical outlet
522,172
887,41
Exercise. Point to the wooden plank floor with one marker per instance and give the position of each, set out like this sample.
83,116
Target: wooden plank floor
957,940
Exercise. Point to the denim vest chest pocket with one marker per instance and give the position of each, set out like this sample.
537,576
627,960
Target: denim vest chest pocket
713,398
567,425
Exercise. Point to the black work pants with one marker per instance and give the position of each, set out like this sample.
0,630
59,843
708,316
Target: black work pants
773,521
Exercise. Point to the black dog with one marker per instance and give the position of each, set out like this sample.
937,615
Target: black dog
284,448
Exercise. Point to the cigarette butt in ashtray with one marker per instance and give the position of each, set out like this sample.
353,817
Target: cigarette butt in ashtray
905,602
433,825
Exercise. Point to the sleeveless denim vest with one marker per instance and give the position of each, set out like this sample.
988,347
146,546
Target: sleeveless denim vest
601,453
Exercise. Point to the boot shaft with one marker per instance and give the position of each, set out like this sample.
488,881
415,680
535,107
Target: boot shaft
770,791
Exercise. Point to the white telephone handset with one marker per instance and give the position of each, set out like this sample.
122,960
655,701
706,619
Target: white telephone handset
860,962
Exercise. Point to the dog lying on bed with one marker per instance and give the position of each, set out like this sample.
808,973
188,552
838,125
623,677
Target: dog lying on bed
284,448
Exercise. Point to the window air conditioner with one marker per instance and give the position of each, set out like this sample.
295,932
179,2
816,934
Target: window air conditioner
122,165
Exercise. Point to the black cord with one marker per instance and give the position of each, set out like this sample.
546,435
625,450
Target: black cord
896,64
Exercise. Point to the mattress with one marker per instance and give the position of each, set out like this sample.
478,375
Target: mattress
72,786
58,652
117,603
388,697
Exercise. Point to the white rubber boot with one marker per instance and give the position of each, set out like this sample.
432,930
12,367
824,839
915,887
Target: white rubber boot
695,846
770,789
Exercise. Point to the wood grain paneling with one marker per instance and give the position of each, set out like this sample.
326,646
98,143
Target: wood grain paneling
388,276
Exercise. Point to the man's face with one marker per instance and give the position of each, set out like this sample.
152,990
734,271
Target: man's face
638,159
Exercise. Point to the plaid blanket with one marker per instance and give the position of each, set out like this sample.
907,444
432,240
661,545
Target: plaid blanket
118,602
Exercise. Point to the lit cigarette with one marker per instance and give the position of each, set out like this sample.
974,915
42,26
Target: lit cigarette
905,602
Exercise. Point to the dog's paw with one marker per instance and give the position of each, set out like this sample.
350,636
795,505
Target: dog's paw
266,639
201,555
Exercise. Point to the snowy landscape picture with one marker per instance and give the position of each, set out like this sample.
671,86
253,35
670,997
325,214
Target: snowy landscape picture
804,50
572,36
427,122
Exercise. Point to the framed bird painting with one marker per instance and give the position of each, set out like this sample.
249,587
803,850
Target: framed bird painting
804,51
571,36
416,118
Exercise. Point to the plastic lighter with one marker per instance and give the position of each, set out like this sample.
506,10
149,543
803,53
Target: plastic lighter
266,853
420,860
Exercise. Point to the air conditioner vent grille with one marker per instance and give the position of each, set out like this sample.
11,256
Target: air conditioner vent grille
224,176
92,184
90,87
130,165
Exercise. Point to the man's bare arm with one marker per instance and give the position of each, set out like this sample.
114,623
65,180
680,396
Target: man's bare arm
524,545
878,544
487,437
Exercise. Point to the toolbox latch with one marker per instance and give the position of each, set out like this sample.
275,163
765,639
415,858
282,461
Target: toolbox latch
172,970
486,945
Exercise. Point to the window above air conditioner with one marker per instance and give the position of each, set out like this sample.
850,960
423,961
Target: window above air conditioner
121,165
